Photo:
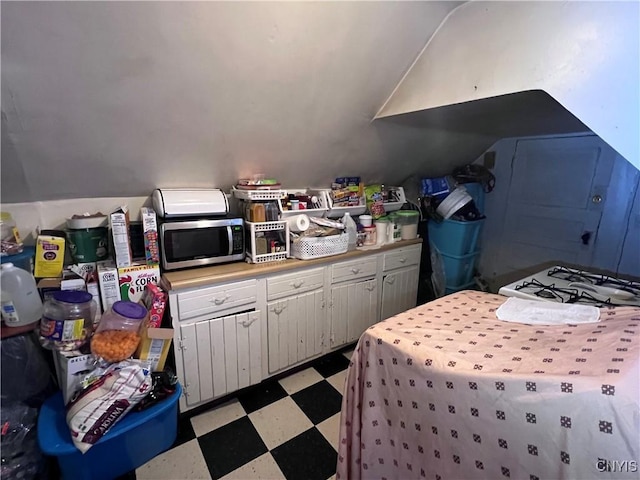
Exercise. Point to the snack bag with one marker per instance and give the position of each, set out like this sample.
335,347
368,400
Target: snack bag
95,409
375,204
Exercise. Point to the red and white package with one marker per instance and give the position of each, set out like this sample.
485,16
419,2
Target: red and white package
95,409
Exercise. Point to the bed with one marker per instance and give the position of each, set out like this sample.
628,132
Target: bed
448,391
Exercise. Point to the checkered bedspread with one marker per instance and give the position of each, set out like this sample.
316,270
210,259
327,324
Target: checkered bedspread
447,391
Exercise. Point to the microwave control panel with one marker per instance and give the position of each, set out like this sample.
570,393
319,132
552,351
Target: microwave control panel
237,234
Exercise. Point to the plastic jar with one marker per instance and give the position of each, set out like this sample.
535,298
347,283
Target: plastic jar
118,334
393,218
382,230
7,224
370,235
408,221
67,320
21,304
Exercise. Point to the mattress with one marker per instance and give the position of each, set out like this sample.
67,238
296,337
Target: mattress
448,391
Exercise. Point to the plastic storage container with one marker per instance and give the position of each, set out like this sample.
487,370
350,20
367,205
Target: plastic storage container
458,269
21,304
67,320
23,260
455,238
7,224
131,443
88,238
408,221
118,334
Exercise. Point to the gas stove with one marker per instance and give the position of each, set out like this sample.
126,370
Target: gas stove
570,285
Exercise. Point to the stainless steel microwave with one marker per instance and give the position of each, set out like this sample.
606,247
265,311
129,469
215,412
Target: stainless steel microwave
195,243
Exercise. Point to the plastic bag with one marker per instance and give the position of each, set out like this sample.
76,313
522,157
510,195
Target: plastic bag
375,200
21,455
95,409
164,385
438,276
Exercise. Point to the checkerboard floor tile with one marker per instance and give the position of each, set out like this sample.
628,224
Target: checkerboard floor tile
280,429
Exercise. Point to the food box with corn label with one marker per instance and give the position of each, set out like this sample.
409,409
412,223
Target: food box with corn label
135,278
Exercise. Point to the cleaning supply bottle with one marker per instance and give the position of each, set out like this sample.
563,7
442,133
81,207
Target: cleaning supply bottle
21,304
351,229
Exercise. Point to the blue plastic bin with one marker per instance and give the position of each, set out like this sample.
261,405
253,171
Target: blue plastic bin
455,238
132,442
458,269
23,260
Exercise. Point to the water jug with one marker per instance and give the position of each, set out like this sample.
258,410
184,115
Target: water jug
21,304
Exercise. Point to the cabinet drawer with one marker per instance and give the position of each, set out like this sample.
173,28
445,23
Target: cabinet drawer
294,283
215,299
403,257
365,267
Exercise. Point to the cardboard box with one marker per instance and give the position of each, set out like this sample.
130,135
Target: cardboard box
134,279
49,258
119,223
154,346
68,281
150,232
154,300
71,368
109,285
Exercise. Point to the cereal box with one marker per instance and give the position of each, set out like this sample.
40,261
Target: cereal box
150,232
155,300
108,283
119,223
135,278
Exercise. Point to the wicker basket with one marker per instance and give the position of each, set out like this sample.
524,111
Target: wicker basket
306,248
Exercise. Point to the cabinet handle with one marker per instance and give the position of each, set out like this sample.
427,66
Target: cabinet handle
371,288
390,280
278,310
402,260
297,284
247,323
220,300
355,270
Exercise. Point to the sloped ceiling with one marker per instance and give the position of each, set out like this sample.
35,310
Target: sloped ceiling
530,68
105,99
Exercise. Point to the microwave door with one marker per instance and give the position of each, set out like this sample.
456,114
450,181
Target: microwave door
195,243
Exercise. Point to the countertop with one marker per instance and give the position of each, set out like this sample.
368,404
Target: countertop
200,276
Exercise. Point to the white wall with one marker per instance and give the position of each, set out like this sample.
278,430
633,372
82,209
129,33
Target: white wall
586,55
109,99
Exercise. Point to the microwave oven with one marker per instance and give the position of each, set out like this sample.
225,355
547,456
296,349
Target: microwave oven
199,242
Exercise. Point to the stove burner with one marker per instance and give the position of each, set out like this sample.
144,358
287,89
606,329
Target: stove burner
573,275
549,292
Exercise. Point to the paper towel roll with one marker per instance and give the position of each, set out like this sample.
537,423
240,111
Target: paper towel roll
298,223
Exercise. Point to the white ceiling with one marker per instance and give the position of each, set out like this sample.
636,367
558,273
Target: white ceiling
105,99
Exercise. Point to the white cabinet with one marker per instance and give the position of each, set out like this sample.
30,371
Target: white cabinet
219,356
399,291
400,274
295,329
353,308
229,335
354,299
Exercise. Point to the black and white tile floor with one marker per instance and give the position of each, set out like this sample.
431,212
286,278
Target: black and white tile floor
280,429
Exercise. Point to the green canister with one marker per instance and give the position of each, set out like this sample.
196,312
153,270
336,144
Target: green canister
88,238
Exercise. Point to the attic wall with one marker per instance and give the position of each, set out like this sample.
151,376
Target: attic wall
585,55
114,99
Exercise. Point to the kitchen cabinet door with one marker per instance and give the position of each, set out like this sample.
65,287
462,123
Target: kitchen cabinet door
353,308
295,329
220,356
399,291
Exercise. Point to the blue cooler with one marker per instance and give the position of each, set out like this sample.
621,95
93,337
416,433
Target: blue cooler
131,443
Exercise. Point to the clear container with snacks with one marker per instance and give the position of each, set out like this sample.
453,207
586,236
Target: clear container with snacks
67,320
118,334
